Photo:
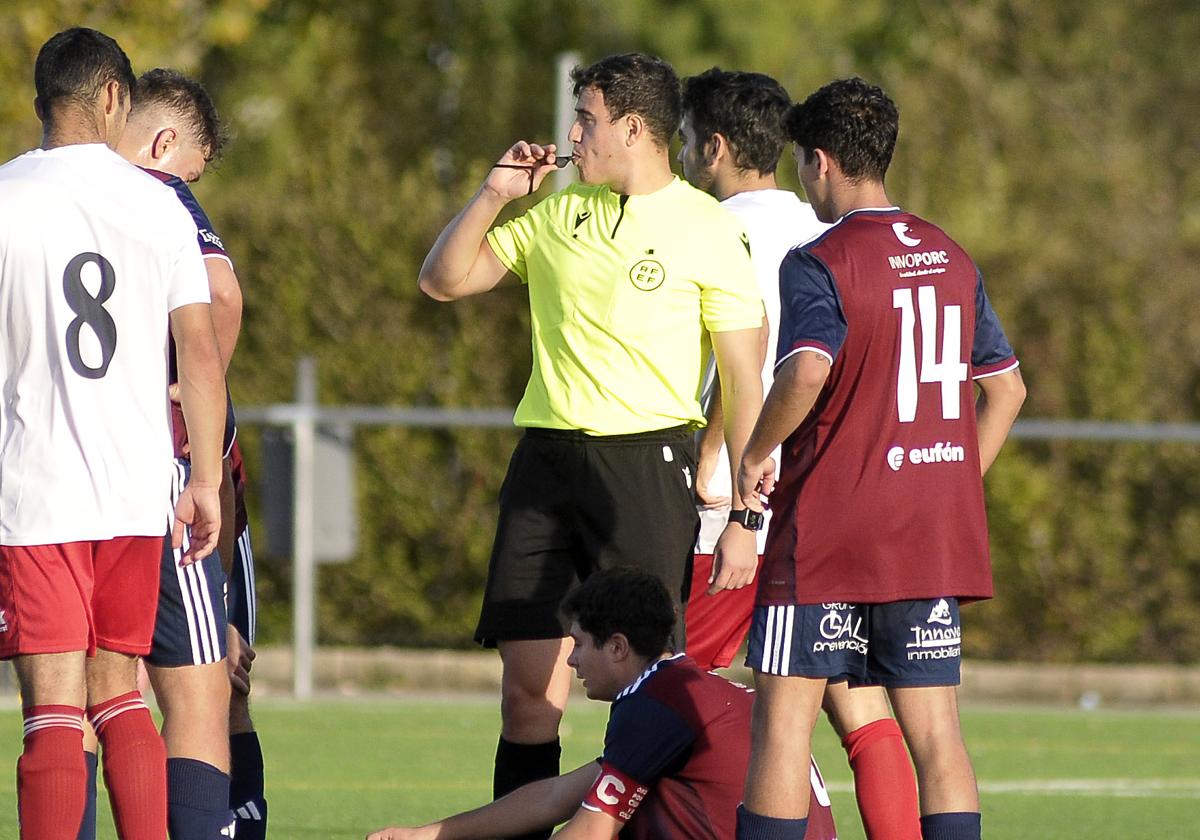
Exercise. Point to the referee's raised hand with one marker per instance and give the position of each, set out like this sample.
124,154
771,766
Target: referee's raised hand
521,170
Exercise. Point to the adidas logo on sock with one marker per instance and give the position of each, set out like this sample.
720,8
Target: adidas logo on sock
249,811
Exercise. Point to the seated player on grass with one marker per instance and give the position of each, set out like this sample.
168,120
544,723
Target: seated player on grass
676,748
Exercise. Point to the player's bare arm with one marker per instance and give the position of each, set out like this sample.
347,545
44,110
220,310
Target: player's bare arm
712,436
461,263
226,294
227,537
590,825
996,409
537,805
739,365
798,383
202,396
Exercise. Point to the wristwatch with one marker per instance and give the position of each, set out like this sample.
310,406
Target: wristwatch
751,520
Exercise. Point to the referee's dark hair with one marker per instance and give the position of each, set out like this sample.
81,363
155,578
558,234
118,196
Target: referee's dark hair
189,100
852,121
636,83
747,109
626,601
73,67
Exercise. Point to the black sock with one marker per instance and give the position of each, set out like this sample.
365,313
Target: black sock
964,825
246,786
752,826
87,828
197,800
520,764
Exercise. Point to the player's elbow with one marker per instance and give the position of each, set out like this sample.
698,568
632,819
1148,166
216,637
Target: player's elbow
807,371
436,286
1007,389
227,301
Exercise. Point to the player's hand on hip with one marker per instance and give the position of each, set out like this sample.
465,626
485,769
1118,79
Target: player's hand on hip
706,468
521,170
735,559
198,508
756,480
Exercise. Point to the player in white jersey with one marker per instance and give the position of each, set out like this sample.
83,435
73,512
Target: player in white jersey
733,137
95,259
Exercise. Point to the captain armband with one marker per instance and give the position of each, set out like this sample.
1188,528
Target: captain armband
615,794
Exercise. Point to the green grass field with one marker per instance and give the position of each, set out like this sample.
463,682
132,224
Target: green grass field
339,768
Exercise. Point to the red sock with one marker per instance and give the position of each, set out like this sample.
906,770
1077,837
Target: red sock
51,775
884,783
135,766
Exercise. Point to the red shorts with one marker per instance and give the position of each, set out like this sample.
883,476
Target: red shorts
716,624
79,596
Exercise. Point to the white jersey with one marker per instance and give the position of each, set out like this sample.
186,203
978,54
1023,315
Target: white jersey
775,221
94,254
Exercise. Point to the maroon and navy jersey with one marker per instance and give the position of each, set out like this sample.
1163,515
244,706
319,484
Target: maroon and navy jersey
210,246
880,496
675,757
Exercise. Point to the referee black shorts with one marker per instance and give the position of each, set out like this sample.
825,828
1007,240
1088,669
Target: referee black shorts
572,504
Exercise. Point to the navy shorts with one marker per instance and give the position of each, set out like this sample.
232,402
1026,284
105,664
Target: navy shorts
189,628
897,645
241,596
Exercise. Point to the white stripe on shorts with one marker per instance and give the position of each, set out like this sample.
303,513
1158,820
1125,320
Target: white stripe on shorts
194,593
777,641
765,665
786,664
248,590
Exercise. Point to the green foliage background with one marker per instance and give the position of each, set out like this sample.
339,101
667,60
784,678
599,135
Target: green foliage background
1057,142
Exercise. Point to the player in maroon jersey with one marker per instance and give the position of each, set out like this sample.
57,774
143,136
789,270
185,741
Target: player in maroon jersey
677,743
879,526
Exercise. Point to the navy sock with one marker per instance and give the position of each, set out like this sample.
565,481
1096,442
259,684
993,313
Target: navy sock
197,801
752,826
520,764
965,825
246,786
87,828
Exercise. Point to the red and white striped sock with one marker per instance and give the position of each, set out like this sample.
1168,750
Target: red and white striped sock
135,766
51,774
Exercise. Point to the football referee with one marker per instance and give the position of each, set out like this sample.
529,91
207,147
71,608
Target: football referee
632,275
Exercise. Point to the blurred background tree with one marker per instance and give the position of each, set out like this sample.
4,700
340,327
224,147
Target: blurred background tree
1056,142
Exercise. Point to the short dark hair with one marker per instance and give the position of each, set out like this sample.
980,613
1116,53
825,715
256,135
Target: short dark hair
626,601
746,108
75,65
636,83
852,121
187,99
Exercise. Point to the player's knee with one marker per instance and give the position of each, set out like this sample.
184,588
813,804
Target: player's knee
938,749
109,675
523,709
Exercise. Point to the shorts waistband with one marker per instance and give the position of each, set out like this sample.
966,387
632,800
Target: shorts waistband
671,435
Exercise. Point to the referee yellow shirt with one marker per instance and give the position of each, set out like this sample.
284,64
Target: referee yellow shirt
623,291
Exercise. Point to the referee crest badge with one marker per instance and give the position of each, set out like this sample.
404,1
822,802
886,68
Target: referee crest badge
647,275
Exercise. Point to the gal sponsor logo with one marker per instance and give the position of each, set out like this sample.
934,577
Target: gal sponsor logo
842,630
